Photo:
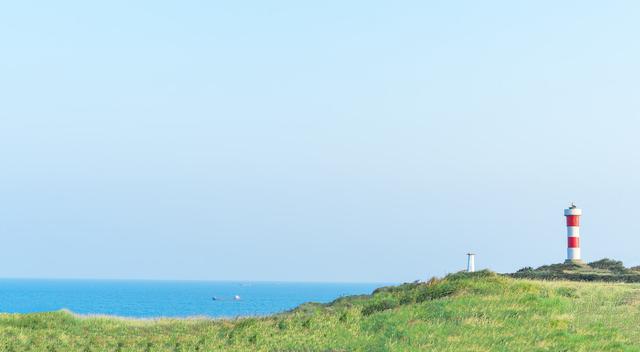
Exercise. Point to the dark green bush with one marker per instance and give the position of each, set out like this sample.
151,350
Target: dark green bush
441,290
608,264
607,270
282,324
407,298
379,306
399,288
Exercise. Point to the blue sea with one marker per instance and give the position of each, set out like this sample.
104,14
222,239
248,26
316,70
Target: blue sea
150,299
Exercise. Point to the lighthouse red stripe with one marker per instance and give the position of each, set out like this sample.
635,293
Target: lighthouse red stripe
573,242
573,220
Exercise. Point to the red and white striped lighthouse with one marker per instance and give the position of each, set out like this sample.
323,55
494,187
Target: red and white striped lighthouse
573,214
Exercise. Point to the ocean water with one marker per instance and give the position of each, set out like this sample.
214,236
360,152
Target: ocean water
149,299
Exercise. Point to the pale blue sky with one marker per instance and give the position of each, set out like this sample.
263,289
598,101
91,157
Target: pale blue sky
324,141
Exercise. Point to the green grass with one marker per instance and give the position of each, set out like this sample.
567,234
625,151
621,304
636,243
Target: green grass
462,312
606,270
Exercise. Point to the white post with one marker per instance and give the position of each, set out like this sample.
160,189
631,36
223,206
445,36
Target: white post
471,262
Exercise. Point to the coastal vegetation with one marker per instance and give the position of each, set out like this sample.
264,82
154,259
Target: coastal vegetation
462,312
606,269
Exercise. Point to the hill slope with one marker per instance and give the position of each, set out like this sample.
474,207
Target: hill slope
607,270
462,312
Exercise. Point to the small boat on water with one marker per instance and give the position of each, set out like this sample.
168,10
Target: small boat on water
235,298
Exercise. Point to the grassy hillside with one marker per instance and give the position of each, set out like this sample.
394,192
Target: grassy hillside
607,270
462,312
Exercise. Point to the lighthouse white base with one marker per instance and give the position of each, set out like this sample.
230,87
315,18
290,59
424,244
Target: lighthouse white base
575,261
573,253
573,256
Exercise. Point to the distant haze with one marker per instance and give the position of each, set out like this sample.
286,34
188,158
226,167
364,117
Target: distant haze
333,141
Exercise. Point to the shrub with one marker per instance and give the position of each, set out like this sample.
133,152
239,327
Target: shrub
608,264
379,306
282,324
441,290
400,288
